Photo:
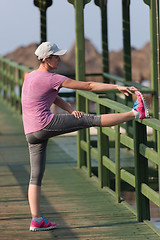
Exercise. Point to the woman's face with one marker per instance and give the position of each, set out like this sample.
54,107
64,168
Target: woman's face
53,61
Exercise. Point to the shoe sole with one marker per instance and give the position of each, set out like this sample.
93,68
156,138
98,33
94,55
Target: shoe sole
35,229
145,106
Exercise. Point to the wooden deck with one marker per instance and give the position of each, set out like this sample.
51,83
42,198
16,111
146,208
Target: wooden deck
69,197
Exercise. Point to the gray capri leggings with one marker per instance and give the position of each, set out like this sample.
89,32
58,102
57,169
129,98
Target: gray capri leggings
60,124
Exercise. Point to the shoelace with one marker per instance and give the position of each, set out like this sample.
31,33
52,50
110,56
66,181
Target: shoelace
45,220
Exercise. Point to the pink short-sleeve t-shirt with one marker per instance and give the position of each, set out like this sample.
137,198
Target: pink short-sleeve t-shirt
39,91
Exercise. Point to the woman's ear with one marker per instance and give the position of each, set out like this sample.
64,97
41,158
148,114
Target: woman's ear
45,59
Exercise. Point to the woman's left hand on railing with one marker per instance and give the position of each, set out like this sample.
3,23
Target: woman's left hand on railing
127,90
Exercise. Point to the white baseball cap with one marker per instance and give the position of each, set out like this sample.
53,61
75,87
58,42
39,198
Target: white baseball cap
46,49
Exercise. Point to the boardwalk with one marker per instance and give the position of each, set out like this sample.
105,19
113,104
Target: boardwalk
80,208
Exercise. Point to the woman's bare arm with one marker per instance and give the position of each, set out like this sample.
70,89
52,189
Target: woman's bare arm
64,105
96,86
67,107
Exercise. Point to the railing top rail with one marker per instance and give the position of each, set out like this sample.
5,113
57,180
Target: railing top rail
15,64
151,122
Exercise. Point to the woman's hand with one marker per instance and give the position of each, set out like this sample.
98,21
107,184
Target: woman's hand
127,90
77,114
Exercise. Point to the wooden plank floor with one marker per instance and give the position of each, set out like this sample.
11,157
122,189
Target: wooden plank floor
69,197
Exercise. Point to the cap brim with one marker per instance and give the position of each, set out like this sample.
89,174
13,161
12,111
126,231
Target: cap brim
60,52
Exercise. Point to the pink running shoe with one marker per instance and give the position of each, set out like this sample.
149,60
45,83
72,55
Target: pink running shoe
140,106
42,225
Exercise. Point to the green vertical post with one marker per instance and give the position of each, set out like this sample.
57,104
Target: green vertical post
117,159
20,83
126,40
12,85
104,32
103,150
126,49
154,50
81,134
158,147
141,172
158,53
43,25
43,5
4,80
88,155
154,63
1,77
80,42
80,66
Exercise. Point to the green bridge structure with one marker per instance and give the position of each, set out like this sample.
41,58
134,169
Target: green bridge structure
82,189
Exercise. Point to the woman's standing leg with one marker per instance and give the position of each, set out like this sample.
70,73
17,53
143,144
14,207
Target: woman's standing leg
37,161
34,193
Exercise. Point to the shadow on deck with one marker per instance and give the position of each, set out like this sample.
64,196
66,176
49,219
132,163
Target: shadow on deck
69,197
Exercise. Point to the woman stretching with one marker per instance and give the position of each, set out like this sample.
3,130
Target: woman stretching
39,92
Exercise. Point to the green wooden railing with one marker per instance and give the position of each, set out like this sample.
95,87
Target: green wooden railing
135,139
139,144
11,81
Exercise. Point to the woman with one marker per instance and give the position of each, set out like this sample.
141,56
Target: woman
40,89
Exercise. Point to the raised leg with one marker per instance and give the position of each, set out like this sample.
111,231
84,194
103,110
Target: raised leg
108,120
